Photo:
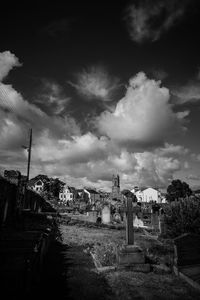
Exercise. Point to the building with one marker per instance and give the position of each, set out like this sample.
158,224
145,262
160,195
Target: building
135,189
67,194
148,195
36,185
116,194
92,195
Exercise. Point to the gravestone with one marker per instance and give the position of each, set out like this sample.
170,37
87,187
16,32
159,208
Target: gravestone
129,254
92,216
138,222
117,217
155,220
187,257
105,215
162,225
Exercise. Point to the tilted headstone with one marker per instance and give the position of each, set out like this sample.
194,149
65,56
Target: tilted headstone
187,250
187,258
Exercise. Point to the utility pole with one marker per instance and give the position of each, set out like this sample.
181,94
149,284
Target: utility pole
29,155
28,166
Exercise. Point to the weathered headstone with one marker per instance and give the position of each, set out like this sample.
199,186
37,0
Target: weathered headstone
117,217
105,214
138,222
130,255
92,216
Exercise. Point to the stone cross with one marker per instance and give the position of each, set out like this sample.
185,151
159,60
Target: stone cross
129,209
129,222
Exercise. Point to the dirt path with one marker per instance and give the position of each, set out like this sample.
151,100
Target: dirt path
69,273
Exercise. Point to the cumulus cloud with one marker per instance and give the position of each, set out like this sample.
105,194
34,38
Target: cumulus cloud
92,160
193,177
7,62
170,149
155,170
96,83
78,149
83,158
17,115
147,20
143,116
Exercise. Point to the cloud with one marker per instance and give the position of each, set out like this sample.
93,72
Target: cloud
52,99
170,149
88,159
143,116
60,148
96,83
148,20
189,93
155,170
18,115
7,62
77,149
193,177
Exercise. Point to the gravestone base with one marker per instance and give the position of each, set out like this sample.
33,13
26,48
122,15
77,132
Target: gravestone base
144,268
132,257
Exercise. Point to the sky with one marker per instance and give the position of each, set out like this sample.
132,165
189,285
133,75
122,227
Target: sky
107,88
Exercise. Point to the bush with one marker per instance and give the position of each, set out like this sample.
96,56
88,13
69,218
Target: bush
182,216
106,253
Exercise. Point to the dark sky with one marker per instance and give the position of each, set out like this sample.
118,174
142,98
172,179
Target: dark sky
88,85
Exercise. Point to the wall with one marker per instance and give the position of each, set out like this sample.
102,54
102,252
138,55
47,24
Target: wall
13,200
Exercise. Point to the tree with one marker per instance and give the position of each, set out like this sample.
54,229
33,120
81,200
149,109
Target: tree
178,189
129,194
55,186
182,217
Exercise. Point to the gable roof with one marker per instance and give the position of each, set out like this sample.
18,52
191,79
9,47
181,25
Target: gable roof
91,191
146,188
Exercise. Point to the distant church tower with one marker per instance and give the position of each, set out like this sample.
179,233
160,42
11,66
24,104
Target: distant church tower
115,186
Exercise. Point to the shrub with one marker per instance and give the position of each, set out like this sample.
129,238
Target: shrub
106,253
182,216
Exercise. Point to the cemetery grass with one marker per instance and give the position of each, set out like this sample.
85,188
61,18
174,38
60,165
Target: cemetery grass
125,284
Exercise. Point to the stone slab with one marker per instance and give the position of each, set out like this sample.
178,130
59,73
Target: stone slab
161,269
130,255
130,249
144,268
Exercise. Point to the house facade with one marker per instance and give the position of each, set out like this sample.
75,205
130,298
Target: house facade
93,196
148,195
67,194
36,185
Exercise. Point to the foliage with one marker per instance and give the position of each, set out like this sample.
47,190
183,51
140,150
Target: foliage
178,189
183,216
106,253
129,194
